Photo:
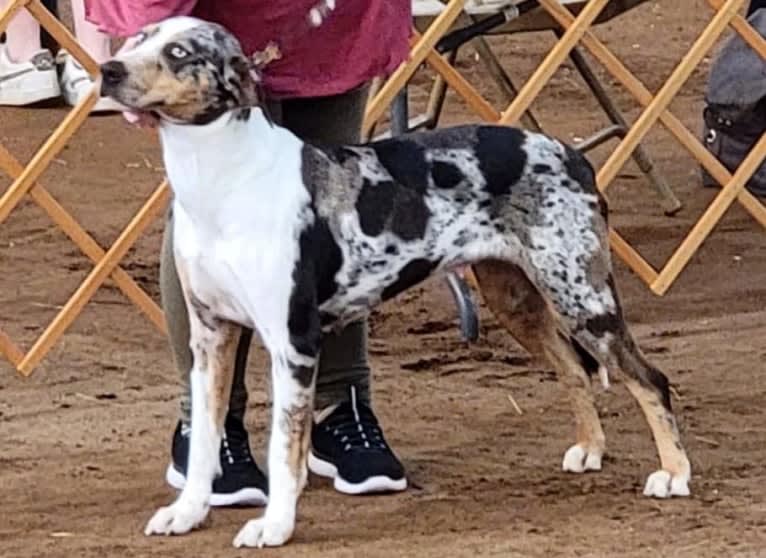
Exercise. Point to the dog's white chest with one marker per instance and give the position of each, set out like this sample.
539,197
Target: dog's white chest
236,224
210,265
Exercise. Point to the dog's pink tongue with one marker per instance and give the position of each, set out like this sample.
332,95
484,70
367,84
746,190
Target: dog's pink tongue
141,119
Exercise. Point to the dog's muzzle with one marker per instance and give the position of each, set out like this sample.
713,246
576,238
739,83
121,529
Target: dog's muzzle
113,74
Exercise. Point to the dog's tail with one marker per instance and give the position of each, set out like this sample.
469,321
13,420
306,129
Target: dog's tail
579,168
590,364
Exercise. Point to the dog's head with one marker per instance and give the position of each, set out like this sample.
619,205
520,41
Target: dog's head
183,69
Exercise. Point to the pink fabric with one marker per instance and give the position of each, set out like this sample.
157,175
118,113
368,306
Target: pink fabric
123,18
360,40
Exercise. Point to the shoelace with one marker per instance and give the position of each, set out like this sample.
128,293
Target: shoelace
356,428
43,61
235,446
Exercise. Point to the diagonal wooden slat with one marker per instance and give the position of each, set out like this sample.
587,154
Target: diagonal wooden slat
62,35
462,87
153,206
632,257
404,72
74,118
9,349
40,161
635,87
534,85
25,183
668,91
544,72
6,14
710,218
745,30
69,225
71,123
655,109
733,185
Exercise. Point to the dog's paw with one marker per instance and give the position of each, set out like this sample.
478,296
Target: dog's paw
663,484
578,459
176,519
259,532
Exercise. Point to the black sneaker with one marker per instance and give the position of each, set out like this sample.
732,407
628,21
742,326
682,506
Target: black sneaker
242,482
348,446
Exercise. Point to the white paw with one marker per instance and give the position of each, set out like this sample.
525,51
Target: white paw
662,484
176,519
260,532
577,459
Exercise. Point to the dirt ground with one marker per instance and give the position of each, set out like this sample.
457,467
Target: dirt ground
85,439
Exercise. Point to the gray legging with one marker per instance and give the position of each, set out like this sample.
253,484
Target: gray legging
343,360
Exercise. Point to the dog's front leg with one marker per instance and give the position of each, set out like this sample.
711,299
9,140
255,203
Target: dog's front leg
213,343
293,378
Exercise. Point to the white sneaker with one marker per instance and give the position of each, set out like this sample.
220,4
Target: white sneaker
24,83
76,83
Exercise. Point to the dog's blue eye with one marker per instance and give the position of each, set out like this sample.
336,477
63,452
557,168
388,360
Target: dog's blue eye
178,52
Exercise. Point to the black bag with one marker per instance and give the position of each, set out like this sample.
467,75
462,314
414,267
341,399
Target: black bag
735,111
729,135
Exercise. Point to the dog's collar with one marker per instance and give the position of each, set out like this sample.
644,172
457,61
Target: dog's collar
170,120
196,123
213,124
218,125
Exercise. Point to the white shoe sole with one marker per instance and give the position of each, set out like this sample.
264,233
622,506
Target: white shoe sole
76,83
103,105
254,497
31,88
371,485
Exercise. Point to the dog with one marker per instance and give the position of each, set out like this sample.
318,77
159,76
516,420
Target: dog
292,240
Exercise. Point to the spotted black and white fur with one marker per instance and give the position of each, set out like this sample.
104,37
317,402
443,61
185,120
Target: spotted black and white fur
292,240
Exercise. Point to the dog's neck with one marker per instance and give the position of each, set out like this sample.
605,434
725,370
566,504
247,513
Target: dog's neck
208,164
229,131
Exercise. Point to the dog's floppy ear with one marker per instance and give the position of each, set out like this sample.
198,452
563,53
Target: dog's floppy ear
251,91
260,93
240,73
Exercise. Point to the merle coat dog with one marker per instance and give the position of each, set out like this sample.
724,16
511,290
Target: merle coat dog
292,240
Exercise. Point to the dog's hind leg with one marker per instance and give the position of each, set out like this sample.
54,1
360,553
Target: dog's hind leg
608,339
519,306
590,308
213,344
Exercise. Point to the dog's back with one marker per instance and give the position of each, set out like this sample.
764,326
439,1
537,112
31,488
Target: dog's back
400,208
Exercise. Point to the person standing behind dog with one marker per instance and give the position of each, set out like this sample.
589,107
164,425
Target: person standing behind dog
317,89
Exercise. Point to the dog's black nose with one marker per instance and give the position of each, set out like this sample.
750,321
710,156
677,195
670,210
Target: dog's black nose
113,72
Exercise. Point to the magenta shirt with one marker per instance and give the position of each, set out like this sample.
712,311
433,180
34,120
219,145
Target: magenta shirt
360,39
